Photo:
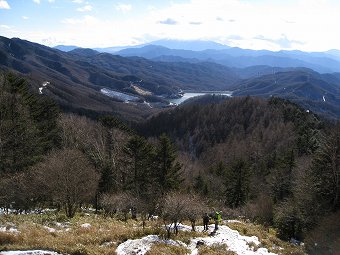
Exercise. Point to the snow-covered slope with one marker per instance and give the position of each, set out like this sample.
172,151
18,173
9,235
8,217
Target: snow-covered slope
241,245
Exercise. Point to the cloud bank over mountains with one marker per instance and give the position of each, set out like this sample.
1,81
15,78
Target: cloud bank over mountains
308,25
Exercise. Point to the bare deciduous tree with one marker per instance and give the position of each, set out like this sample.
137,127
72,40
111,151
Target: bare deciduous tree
69,177
119,203
177,207
195,209
100,143
173,211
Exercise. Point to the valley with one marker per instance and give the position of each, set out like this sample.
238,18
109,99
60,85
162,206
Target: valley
79,75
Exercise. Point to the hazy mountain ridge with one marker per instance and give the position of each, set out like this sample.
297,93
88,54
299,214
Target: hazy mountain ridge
196,45
236,57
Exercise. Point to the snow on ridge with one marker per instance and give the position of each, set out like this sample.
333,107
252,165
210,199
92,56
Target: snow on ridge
44,84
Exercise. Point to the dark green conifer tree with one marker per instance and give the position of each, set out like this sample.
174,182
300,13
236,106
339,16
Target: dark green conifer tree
168,169
326,171
139,166
237,179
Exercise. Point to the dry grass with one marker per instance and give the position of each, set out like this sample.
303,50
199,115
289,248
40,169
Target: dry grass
105,234
7,238
101,238
165,249
267,238
186,236
216,249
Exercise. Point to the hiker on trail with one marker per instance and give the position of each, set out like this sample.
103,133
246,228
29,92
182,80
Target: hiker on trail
206,219
218,218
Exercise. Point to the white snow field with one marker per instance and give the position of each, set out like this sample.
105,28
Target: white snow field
241,245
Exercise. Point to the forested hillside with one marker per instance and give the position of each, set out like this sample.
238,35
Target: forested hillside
267,160
271,158
311,90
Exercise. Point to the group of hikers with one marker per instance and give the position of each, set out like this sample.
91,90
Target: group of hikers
206,219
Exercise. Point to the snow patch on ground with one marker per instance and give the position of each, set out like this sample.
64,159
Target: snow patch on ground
86,225
141,246
51,230
9,229
241,245
108,244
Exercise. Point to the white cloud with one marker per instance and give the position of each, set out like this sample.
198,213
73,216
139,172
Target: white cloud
4,5
25,17
85,8
124,7
51,1
312,22
86,20
5,26
36,1
312,25
195,23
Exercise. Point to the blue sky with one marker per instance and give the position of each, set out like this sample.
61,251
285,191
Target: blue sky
309,25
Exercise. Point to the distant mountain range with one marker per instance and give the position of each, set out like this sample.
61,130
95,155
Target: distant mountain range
198,50
77,76
195,45
241,58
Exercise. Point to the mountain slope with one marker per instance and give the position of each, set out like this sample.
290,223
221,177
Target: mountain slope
319,93
77,76
69,84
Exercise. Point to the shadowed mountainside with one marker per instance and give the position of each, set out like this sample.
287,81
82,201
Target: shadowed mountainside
317,92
